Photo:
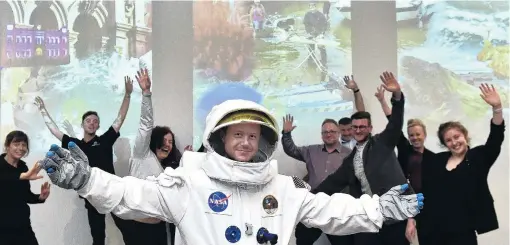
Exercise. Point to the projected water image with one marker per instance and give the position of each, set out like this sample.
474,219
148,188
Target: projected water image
92,78
446,51
287,56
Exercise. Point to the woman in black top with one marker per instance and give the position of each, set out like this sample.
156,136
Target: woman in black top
459,202
411,155
15,227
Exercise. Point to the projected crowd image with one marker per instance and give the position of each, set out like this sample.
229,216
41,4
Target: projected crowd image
271,52
74,56
446,50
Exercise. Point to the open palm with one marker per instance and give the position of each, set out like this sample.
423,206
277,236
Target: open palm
390,83
45,191
490,95
143,79
32,173
288,123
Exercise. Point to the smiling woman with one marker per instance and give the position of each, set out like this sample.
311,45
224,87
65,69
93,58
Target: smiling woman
15,227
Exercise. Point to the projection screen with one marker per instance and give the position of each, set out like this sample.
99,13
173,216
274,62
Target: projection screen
264,52
74,55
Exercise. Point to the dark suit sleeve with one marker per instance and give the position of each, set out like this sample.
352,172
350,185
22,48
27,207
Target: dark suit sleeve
110,136
305,235
334,183
30,197
403,148
391,134
492,147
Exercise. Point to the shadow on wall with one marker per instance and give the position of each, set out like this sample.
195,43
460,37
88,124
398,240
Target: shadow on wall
122,152
76,230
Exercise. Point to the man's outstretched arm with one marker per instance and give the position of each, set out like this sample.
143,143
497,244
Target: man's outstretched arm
341,214
129,198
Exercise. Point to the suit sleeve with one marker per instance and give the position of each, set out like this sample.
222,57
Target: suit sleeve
340,214
391,134
141,147
492,147
290,148
133,199
335,182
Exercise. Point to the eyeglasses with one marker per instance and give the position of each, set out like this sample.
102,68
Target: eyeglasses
361,127
328,132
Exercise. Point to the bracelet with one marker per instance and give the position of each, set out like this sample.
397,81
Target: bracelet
497,110
355,91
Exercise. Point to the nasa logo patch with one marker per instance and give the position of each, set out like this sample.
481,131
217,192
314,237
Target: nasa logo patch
270,204
218,201
233,234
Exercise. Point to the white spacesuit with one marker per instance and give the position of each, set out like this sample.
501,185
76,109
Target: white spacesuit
227,201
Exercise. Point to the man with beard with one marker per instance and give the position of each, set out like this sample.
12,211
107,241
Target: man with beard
99,148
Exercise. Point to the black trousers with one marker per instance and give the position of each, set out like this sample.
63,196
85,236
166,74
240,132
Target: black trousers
448,238
18,236
148,234
98,226
393,234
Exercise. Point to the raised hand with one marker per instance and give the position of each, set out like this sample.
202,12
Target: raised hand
490,95
390,83
45,191
32,173
68,169
288,123
128,83
39,103
144,80
379,94
395,206
350,83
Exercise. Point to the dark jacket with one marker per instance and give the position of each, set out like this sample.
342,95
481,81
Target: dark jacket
479,160
382,168
15,211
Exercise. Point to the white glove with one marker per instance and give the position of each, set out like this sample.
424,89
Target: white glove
68,169
395,206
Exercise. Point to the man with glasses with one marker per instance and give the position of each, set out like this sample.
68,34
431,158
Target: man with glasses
321,159
371,168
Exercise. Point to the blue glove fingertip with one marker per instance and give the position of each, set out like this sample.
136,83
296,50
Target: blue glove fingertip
71,144
404,187
54,147
50,154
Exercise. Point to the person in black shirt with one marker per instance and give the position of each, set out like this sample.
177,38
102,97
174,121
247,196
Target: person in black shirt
459,176
15,227
99,149
412,155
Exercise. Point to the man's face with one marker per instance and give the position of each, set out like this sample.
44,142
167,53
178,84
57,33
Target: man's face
345,131
90,124
329,134
242,141
361,128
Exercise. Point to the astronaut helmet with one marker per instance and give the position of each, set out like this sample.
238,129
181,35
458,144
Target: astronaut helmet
241,130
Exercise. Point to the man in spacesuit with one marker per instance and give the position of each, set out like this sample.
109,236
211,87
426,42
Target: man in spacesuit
236,195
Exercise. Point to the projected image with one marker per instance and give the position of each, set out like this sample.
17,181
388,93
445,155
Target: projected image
285,55
74,55
446,49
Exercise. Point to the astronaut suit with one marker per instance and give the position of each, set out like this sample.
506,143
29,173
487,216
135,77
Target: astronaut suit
226,200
